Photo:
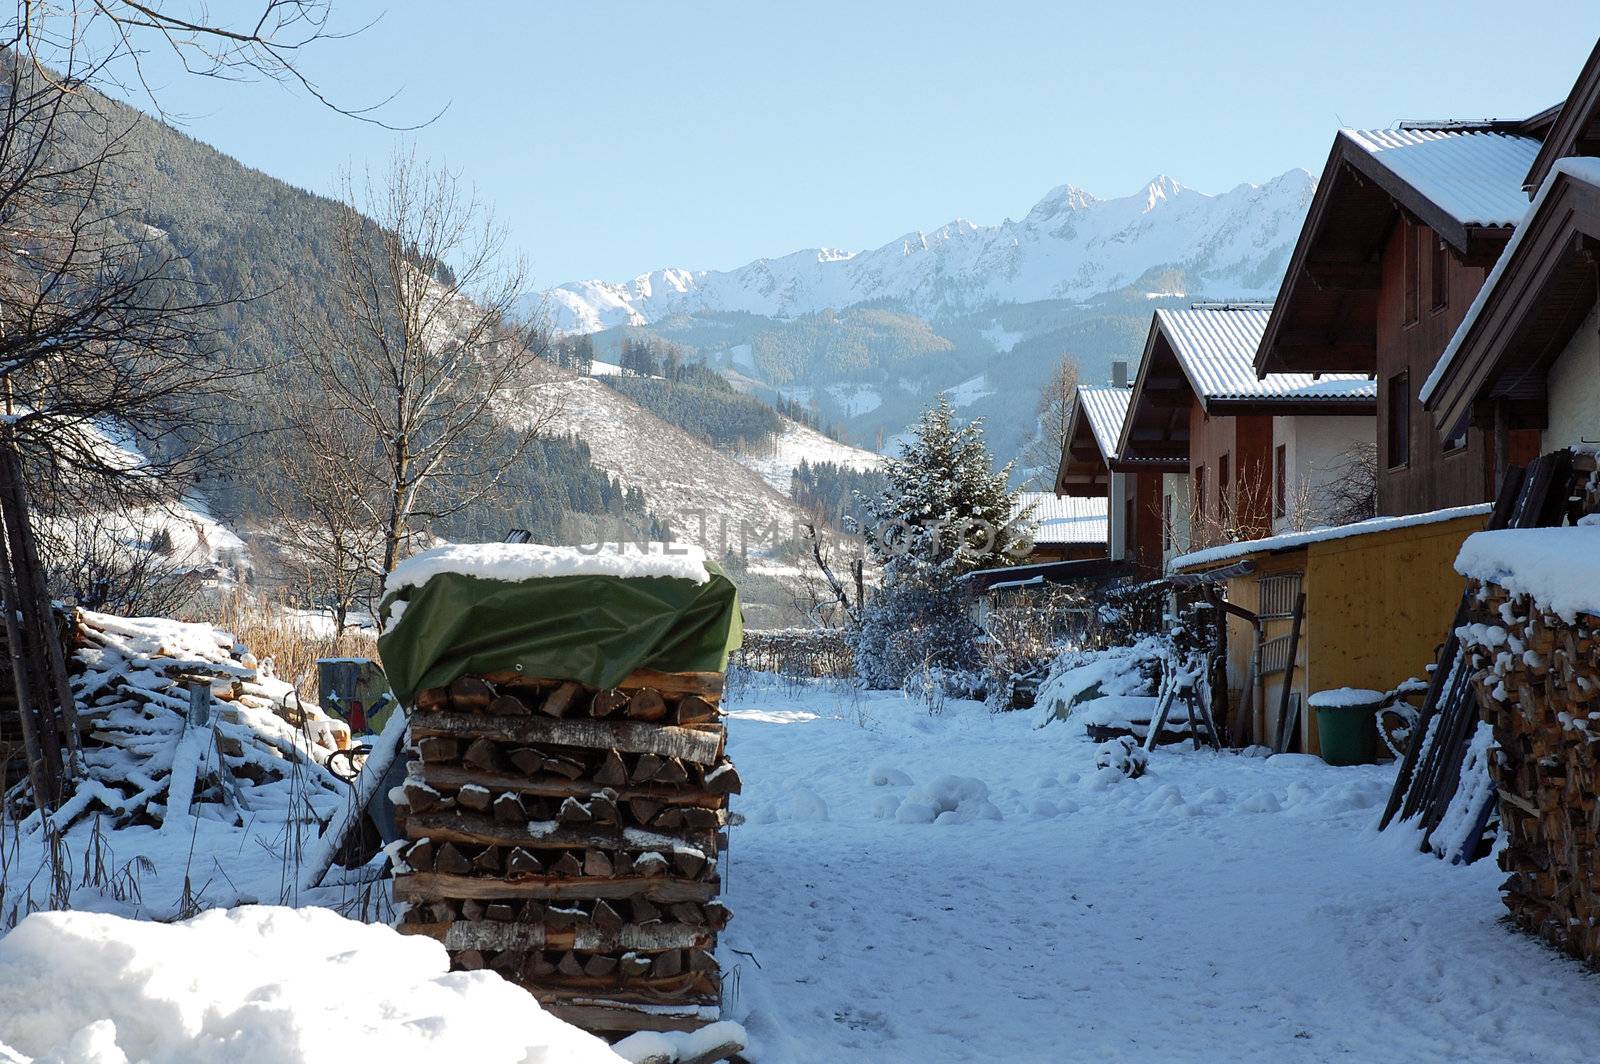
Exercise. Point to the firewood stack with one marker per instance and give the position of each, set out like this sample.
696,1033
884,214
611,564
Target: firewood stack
567,838
1538,686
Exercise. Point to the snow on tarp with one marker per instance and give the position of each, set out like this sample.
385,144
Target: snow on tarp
1559,568
1582,169
533,561
262,985
1289,540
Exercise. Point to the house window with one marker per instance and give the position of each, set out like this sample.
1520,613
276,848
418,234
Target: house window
1280,481
1200,492
1166,522
1439,275
1128,542
1224,485
1399,411
1457,440
1411,239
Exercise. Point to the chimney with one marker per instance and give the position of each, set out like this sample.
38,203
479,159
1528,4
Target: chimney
1119,374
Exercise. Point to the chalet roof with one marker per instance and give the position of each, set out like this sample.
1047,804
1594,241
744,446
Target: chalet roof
1576,127
1462,180
1474,176
1538,293
1065,519
1105,406
1217,348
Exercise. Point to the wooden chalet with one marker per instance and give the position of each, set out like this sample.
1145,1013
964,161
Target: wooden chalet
1401,233
1241,454
1526,358
1091,467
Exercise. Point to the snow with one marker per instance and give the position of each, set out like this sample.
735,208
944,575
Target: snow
597,368
1290,540
1218,908
1559,568
798,442
969,391
855,399
260,985
515,562
1582,169
1070,246
1002,338
1344,698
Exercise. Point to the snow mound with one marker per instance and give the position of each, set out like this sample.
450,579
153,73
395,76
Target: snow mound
947,800
261,985
1123,754
884,776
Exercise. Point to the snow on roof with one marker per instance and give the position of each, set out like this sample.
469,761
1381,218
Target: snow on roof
1474,176
1106,407
1559,568
1290,540
1582,169
1217,347
533,561
1064,518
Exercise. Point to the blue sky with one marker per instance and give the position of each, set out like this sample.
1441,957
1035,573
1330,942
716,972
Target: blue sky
613,138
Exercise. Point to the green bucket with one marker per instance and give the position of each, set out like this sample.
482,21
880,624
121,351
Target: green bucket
1347,725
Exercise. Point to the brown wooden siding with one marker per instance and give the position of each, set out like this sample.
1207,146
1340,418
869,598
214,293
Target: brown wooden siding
1144,534
1247,443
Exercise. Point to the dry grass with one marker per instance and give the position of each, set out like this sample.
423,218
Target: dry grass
294,648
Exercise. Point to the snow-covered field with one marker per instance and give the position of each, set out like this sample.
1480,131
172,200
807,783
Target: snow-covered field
776,461
1220,908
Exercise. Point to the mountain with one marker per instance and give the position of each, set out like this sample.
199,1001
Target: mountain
1070,246
869,337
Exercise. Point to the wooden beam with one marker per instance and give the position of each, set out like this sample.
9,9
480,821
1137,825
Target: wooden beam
702,745
430,886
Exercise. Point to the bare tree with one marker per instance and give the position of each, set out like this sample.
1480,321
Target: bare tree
1352,493
418,352
92,562
1054,411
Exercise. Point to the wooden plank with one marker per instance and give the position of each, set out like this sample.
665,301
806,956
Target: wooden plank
451,777
596,1016
548,835
702,745
431,885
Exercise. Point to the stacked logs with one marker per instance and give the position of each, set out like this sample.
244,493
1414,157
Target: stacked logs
1538,686
567,838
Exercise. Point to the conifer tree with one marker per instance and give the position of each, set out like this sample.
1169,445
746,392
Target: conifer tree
945,512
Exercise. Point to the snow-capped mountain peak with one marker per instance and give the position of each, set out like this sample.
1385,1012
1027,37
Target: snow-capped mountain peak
1070,246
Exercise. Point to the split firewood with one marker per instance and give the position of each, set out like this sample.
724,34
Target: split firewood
503,911
692,709
644,810
668,820
599,965
687,912
538,966
431,699
508,809
419,856
508,962
605,917
566,867
667,964
645,911
529,762
468,694
442,912
573,811
522,863
724,779
533,911
564,766
488,860
596,863
507,706
646,704
607,703
481,754
700,819
635,964
451,860
474,797
603,807
469,960
650,864
562,699
570,965
689,864
645,769
716,914
563,917
472,909
672,773
420,797
613,772
702,961
438,749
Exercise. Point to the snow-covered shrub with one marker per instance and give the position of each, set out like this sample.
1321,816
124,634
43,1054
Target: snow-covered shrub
1123,754
946,800
1079,677
1022,638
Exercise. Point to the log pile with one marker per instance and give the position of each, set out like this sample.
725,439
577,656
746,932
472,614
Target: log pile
1537,683
568,837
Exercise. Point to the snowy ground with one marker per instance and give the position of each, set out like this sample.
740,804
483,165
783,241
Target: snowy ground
1220,908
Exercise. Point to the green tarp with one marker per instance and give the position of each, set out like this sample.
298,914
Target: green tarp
593,629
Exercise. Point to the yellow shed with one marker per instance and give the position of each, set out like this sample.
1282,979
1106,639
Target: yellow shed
1379,596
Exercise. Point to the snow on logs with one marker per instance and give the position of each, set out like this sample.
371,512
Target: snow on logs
567,838
1538,685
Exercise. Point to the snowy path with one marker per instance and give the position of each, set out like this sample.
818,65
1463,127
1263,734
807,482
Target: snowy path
1219,909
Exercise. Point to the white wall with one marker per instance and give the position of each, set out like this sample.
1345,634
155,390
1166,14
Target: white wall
1116,513
1316,450
1574,389
1175,500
